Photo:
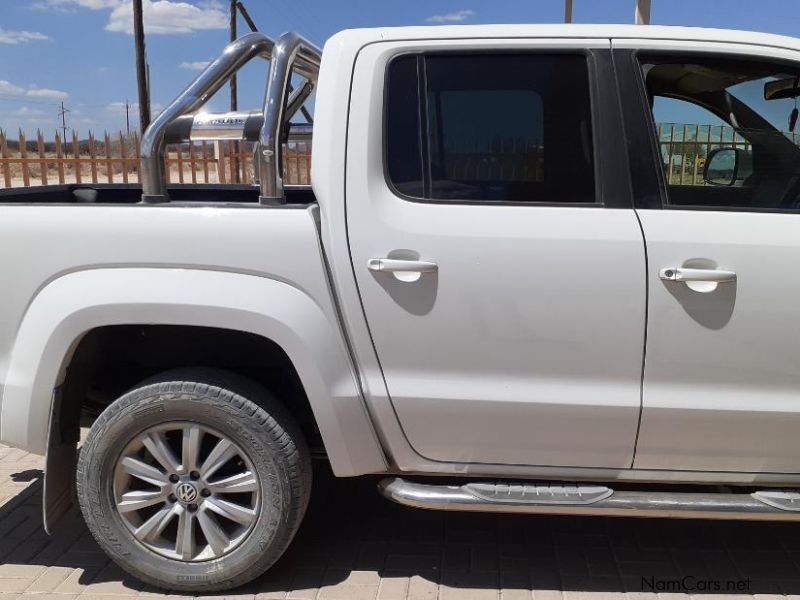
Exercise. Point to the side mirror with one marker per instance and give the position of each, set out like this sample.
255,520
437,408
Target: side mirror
723,166
778,89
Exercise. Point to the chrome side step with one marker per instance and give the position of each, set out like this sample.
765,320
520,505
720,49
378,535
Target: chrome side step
776,505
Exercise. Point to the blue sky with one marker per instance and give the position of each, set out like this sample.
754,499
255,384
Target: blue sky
81,51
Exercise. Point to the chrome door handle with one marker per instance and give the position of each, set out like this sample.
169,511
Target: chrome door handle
393,265
696,275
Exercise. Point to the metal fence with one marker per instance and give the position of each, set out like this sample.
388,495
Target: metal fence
684,148
114,159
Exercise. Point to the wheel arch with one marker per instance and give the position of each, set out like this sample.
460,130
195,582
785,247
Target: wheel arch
71,306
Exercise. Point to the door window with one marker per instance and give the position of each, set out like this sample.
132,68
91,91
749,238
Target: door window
727,132
490,128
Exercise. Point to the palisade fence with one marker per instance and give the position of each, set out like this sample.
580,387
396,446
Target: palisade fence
114,159
684,148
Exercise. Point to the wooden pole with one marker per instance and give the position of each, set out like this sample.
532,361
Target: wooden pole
642,14
123,152
59,159
93,157
141,66
567,11
23,154
5,154
234,96
76,150
232,23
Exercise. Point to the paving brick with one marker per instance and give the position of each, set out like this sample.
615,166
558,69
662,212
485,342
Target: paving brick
348,592
21,571
421,588
50,579
393,587
356,546
10,584
77,581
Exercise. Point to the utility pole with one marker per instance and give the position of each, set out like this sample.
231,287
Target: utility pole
642,14
567,11
128,117
141,66
63,114
234,102
234,99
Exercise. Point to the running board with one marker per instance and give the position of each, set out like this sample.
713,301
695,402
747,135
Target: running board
776,505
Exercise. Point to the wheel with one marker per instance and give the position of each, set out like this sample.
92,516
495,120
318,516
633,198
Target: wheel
195,480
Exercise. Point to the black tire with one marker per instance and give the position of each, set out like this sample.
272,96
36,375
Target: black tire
245,413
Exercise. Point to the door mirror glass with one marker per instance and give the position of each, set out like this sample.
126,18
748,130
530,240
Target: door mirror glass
727,166
778,89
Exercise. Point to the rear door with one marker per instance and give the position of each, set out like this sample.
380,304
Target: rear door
721,387
499,260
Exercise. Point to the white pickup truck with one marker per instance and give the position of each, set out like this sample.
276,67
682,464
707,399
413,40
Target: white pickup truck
504,276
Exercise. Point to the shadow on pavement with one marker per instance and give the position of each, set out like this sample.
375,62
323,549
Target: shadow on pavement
353,537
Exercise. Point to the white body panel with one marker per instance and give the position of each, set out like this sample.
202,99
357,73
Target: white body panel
527,363
104,265
503,356
722,385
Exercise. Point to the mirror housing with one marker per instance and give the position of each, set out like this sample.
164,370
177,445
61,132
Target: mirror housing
724,166
788,87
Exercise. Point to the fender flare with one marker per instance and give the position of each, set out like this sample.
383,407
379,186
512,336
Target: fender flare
75,303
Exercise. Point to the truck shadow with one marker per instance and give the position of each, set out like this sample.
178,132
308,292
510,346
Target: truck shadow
354,544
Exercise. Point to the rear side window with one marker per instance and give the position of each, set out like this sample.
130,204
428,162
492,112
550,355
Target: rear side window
499,127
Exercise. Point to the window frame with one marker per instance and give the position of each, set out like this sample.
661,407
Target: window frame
590,55
637,60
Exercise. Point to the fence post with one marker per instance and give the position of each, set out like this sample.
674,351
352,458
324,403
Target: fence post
219,154
93,157
59,159
137,153
233,161
180,162
109,165
4,154
123,152
307,151
42,161
192,159
76,151
23,154
205,162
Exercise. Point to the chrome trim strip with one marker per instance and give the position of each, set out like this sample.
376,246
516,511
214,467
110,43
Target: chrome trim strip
679,505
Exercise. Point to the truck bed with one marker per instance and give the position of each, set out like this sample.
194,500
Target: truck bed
94,193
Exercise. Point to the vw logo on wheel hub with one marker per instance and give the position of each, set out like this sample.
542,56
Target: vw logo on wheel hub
186,492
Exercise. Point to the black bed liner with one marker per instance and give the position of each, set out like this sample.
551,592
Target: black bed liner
109,193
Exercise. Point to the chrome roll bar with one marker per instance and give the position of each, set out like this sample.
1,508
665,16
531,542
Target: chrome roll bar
290,54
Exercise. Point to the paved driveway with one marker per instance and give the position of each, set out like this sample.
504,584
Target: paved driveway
356,546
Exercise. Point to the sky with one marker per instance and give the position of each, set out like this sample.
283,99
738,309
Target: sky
81,53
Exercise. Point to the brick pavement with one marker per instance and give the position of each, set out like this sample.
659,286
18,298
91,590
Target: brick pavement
354,545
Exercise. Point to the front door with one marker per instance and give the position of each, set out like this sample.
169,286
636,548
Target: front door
721,386
504,294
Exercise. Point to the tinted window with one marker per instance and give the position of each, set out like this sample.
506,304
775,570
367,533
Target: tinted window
490,128
725,133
